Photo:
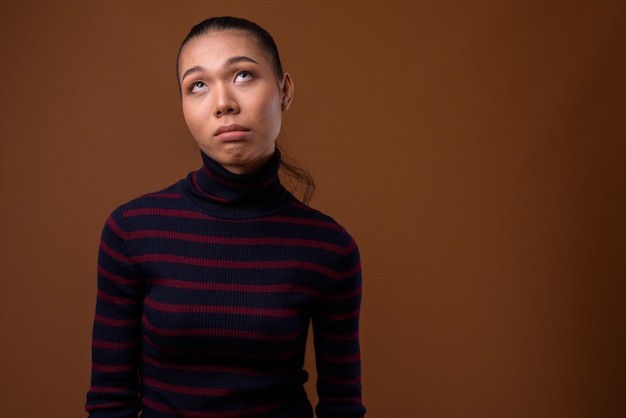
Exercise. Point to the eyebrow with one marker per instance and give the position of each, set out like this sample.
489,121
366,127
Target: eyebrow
230,61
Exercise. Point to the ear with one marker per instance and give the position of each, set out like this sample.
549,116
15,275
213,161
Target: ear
287,89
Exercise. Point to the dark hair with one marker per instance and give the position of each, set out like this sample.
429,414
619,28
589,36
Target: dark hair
304,185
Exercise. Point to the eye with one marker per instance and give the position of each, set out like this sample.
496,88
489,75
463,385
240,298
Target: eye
243,75
196,86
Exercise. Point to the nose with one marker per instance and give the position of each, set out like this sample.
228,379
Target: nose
225,102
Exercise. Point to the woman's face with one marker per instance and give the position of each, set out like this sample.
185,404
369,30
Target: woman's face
232,100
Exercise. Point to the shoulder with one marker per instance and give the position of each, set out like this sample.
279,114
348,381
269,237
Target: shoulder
168,198
320,224
158,197
340,251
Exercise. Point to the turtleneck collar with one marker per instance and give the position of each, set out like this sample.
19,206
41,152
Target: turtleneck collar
236,196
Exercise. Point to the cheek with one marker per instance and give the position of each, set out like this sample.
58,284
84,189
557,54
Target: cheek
191,116
272,115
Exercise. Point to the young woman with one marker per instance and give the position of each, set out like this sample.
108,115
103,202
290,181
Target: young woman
206,289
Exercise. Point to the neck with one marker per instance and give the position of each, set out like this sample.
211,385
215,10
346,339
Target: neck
230,195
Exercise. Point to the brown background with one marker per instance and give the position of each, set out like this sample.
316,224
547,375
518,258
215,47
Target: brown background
474,149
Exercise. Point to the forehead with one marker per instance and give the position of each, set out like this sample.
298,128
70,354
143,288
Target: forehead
213,48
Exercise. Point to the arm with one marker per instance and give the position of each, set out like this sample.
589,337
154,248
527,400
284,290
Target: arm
116,341
336,336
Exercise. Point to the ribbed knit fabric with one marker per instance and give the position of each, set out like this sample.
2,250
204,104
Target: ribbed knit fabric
205,294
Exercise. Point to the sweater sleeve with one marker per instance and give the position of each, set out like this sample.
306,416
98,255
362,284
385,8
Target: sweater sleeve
336,339
114,390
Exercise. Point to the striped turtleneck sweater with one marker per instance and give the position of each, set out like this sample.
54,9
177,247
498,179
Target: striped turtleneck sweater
206,290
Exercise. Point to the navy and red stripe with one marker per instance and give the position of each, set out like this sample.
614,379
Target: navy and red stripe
206,290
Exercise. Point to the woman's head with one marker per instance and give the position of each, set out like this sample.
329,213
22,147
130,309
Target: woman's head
257,106
233,92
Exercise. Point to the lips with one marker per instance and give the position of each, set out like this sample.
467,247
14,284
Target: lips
230,128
